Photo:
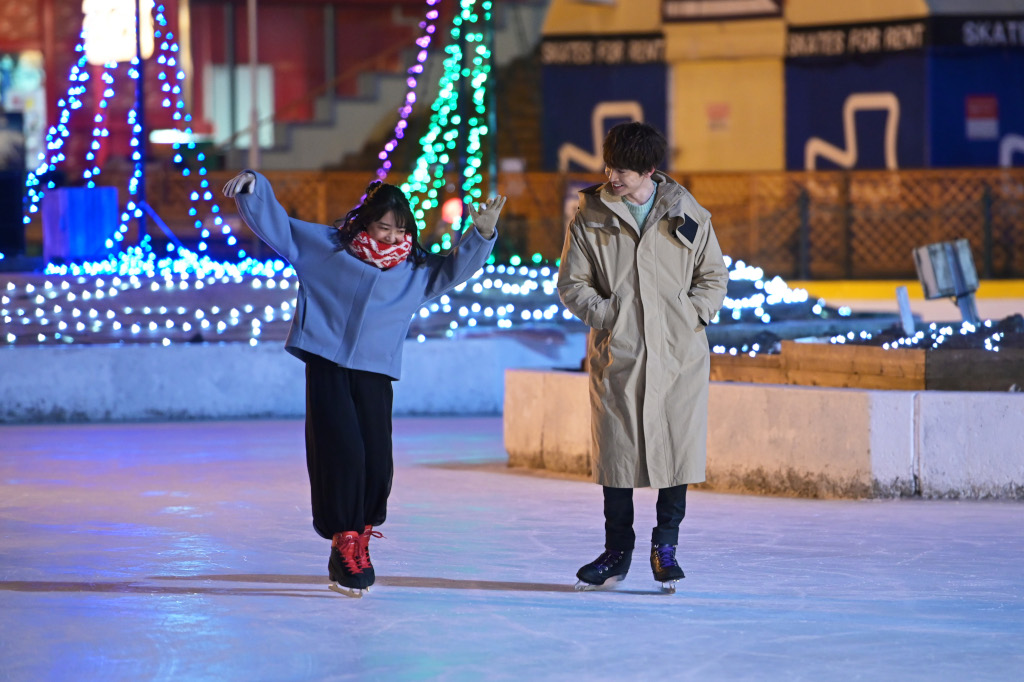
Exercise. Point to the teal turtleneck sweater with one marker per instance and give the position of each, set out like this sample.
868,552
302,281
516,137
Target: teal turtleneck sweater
640,211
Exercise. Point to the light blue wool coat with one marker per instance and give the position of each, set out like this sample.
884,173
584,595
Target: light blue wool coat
348,311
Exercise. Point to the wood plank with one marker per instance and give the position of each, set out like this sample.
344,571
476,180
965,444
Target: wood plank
808,364
975,370
867,381
854,359
752,375
911,369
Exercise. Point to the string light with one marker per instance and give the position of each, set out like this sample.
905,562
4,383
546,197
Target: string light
936,336
137,299
440,145
170,77
56,135
429,27
86,302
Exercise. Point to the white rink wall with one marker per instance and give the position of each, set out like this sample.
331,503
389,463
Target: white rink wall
770,439
236,381
803,441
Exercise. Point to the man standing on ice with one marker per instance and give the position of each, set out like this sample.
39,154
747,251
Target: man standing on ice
641,266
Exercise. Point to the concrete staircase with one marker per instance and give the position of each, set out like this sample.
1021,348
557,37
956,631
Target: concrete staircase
342,125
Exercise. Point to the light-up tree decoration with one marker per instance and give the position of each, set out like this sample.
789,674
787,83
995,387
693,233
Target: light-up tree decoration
108,37
428,27
456,125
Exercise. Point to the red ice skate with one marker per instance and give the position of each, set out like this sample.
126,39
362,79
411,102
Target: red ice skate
363,559
343,567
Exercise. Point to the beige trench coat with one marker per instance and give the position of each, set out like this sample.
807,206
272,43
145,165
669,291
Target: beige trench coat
647,300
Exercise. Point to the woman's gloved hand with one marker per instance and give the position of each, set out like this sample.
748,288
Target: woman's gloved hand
485,216
243,183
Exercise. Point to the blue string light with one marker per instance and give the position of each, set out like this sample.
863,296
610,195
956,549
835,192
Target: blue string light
170,77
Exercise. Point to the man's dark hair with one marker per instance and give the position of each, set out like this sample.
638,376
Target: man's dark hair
634,146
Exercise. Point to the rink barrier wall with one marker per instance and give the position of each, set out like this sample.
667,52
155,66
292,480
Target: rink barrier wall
802,441
136,382
762,438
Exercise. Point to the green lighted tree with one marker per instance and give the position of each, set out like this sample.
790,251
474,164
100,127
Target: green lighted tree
459,120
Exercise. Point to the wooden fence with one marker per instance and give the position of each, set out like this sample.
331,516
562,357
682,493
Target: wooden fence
823,225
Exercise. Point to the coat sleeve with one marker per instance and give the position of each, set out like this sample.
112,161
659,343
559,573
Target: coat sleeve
576,285
452,270
710,278
286,235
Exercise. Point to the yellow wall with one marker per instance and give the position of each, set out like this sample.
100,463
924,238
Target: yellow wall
728,115
727,80
724,39
803,12
623,16
643,16
727,90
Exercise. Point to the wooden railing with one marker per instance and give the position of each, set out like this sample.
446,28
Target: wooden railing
824,225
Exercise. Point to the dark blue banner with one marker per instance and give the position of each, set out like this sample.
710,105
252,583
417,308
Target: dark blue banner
866,112
977,105
582,102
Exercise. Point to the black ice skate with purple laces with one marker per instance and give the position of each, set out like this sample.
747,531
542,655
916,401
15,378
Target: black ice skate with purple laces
604,572
667,570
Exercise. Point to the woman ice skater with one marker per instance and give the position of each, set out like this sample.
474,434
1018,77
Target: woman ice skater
360,282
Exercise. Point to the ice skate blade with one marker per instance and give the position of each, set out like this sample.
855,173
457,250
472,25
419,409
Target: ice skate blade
669,586
353,592
609,584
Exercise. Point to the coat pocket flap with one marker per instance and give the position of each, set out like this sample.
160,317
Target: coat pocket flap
687,231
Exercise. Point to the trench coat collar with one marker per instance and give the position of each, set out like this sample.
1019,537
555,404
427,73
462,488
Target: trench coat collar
672,200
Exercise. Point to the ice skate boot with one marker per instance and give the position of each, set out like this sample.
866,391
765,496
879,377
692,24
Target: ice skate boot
605,572
343,567
364,554
666,569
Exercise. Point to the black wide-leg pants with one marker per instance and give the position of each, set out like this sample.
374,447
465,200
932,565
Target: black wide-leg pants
348,446
618,517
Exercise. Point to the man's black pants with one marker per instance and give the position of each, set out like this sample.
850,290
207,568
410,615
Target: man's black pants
348,446
618,517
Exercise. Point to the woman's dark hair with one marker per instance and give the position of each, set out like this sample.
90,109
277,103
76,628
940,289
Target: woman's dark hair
634,146
380,198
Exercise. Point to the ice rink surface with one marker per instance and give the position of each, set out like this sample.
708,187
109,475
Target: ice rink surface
184,551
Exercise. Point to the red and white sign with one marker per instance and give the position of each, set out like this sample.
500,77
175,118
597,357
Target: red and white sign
982,116
719,114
